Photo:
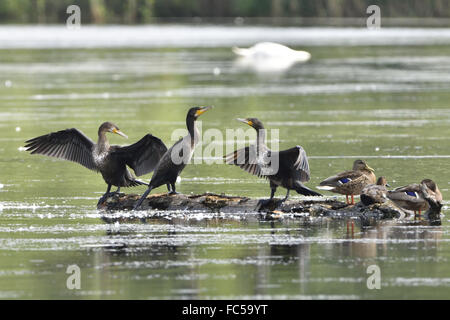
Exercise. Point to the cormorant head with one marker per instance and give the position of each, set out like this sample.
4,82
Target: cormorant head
382,181
195,112
430,184
360,165
252,122
110,127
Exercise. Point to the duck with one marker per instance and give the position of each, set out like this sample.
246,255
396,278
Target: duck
411,197
350,183
375,193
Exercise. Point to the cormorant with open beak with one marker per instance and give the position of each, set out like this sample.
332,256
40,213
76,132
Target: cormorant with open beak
176,158
287,168
111,161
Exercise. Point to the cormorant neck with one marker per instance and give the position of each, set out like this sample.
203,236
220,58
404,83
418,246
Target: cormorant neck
102,143
261,137
190,124
192,128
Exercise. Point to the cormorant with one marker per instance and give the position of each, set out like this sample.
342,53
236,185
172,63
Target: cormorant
111,161
350,182
287,168
175,159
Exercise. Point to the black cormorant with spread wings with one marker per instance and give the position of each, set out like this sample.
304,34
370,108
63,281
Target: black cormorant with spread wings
111,161
176,158
287,168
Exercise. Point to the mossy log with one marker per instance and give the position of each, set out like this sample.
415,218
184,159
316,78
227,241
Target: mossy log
215,203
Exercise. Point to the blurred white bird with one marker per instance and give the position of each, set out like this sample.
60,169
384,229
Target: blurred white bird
269,57
264,50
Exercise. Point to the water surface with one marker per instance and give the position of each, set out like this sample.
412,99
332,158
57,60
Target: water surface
384,102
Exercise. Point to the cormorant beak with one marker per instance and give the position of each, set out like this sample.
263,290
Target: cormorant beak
120,133
201,111
250,123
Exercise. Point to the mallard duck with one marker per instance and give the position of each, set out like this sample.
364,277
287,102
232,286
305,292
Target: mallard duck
411,197
350,182
375,193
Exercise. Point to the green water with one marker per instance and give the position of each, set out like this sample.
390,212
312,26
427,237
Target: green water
386,104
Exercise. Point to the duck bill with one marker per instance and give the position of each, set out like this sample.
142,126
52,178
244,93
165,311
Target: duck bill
120,133
370,169
244,121
202,110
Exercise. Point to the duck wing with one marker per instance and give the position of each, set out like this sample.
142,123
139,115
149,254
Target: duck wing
69,144
142,156
410,193
342,178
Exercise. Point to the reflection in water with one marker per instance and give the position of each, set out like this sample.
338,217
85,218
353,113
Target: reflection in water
256,263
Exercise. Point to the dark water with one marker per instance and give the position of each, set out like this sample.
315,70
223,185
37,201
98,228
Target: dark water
383,102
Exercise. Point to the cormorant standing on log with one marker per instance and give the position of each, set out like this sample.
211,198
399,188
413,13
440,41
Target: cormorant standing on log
259,160
176,158
111,161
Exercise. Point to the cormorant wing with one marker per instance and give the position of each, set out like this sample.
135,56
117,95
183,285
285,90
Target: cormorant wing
296,159
245,158
69,144
142,156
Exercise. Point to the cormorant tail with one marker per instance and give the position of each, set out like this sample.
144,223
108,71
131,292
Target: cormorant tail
140,182
301,189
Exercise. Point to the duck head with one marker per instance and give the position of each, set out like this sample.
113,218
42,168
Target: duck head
430,184
361,165
382,182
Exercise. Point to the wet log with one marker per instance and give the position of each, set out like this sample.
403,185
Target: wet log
215,203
